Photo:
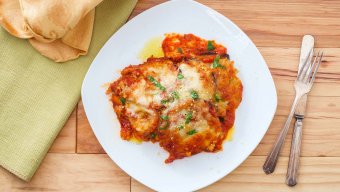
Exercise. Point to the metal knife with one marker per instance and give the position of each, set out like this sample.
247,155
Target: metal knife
293,164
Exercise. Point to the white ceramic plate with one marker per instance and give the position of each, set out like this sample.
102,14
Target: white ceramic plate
145,162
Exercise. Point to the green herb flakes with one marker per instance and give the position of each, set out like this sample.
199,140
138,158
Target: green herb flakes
153,135
168,100
156,83
188,117
122,100
217,97
210,46
175,94
191,132
194,94
165,126
164,117
216,63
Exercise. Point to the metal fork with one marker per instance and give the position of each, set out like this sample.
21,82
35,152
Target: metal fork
303,85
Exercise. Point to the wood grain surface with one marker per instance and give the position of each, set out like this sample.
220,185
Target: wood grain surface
71,172
66,140
86,141
76,161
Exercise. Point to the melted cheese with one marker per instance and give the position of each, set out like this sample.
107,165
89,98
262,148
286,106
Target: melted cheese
192,81
144,94
200,125
141,117
198,122
166,77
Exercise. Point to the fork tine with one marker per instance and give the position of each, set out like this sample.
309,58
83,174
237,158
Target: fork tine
312,68
302,72
316,69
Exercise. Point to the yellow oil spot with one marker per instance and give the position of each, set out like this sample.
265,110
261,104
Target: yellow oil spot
136,141
153,47
106,85
230,134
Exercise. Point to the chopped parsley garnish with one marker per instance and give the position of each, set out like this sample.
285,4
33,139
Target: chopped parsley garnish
153,135
168,100
156,83
188,117
191,132
175,94
164,117
221,119
165,126
194,94
217,97
180,127
216,62
210,46
122,100
180,50
180,76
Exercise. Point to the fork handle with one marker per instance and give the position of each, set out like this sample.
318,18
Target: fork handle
270,163
294,157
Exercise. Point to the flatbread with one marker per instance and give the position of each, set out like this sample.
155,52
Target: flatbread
12,20
75,43
59,29
49,20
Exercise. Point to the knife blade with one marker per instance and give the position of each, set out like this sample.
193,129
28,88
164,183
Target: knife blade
306,45
293,164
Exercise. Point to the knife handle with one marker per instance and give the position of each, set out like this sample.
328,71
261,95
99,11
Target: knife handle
294,158
270,163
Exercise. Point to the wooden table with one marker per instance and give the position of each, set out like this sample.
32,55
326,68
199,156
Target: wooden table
76,162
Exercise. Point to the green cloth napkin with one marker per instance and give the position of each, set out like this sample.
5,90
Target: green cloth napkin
37,95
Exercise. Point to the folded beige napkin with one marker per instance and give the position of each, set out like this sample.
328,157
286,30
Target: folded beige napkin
59,29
